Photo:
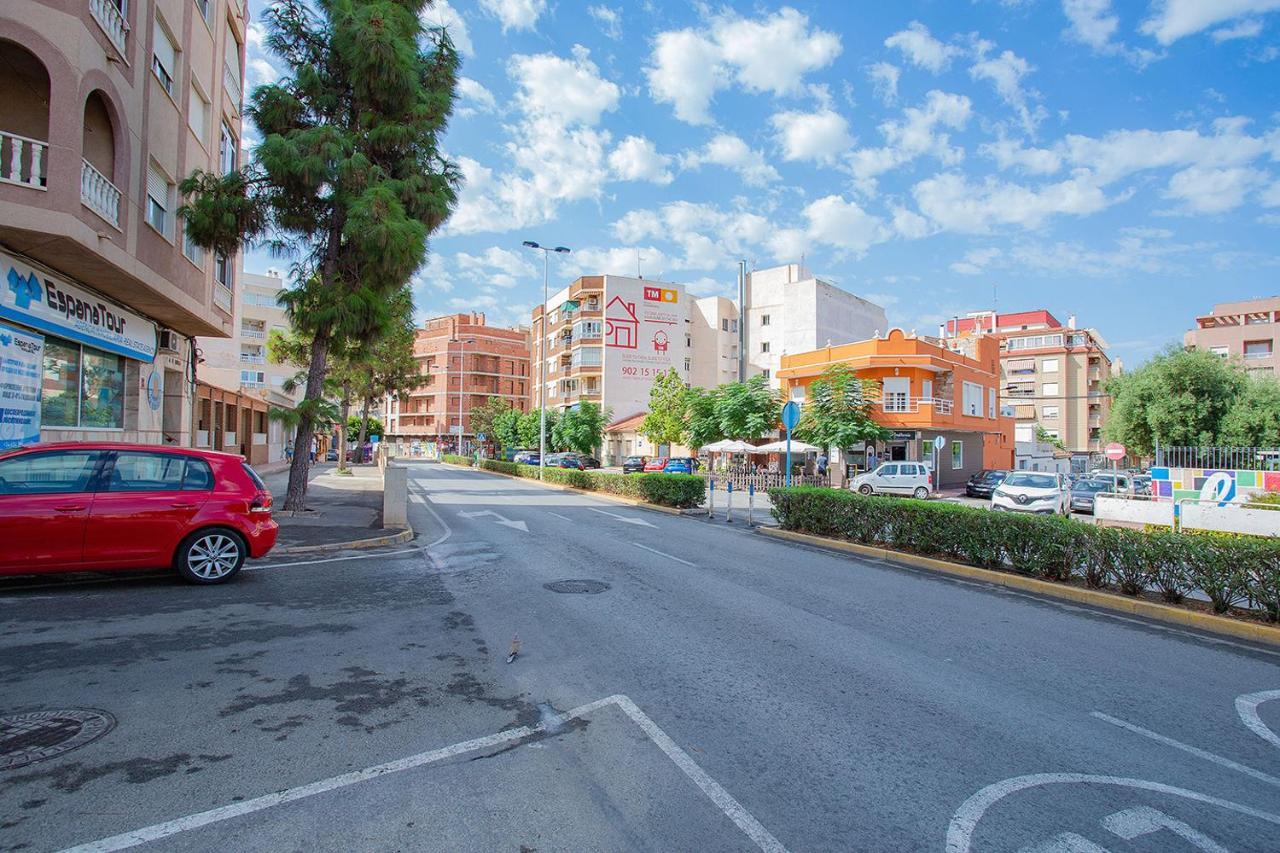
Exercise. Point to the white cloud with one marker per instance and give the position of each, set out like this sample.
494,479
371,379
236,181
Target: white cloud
515,14
731,152
476,98
1244,29
564,90
1092,22
915,135
1005,72
844,224
1009,153
496,266
706,237
1203,190
1123,152
955,203
975,261
636,159
766,54
920,48
651,261
818,136
259,72
1270,197
884,77
609,20
1175,19
441,14
637,225
909,224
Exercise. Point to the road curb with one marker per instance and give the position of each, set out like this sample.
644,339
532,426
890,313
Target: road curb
373,542
669,510
1207,622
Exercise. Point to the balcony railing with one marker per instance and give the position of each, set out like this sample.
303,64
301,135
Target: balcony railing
108,16
222,297
247,358
258,334
907,405
231,81
22,160
99,194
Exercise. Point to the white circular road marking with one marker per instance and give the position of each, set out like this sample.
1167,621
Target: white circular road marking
1247,708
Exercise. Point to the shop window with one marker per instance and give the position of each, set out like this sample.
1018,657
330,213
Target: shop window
957,455
102,389
82,387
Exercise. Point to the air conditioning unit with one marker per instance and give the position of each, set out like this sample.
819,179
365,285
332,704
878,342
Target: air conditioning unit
170,340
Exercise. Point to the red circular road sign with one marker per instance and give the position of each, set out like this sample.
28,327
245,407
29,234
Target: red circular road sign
1115,451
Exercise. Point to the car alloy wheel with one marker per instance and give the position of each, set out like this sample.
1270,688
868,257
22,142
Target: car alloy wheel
921,493
866,490
212,557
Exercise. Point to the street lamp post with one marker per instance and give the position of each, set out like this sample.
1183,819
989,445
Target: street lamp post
542,359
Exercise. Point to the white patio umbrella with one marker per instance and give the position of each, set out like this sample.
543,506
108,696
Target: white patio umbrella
781,447
729,445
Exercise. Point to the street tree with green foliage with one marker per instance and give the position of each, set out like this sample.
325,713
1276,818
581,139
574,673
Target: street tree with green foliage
581,428
666,420
838,410
528,429
366,426
702,423
747,410
349,177
1178,398
506,429
1043,436
1254,417
485,417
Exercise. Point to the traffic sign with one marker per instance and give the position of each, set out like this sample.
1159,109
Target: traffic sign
791,415
1115,451
939,442
480,437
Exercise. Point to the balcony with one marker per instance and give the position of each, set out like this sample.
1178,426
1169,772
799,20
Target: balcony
254,334
22,161
110,18
911,405
250,358
99,194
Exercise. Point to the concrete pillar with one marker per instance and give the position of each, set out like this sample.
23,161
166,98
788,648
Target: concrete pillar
395,496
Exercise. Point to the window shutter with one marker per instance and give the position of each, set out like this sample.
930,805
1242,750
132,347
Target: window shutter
231,53
163,49
158,186
197,114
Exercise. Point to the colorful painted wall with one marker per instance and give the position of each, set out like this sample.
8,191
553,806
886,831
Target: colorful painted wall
1226,485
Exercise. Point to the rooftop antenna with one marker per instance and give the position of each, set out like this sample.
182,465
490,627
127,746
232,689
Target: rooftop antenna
639,258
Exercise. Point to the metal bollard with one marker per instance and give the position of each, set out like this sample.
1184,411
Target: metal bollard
751,504
728,507
711,498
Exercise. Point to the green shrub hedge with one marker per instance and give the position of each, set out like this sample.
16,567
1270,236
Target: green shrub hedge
682,491
1229,570
454,459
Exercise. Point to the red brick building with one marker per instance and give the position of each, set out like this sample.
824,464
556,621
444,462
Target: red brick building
463,363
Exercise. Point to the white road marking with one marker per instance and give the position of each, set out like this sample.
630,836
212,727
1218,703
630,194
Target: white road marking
448,531
1065,842
1144,820
965,821
501,519
723,800
1247,708
624,518
662,554
256,567
1187,748
558,515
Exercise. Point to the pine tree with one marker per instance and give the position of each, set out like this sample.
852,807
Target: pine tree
349,178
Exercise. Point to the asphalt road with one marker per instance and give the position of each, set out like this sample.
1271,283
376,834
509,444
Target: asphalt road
724,692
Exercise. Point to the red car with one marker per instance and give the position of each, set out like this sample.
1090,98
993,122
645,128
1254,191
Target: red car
655,463
90,506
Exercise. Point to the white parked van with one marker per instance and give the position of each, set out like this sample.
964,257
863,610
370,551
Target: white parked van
896,478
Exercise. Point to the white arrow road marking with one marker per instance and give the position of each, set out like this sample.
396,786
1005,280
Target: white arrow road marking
503,520
640,521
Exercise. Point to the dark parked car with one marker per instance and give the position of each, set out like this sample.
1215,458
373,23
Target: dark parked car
589,461
983,483
634,464
1083,493
563,460
526,457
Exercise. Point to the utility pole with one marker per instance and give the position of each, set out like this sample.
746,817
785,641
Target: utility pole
542,359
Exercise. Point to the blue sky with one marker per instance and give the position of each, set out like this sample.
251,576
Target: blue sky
1115,160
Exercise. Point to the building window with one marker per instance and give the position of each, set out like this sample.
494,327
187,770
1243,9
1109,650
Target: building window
733,326
1049,365
991,403
1257,349
1257,319
1049,413
764,319
765,373
972,399
82,387
222,272
1034,342
160,201
198,113
163,58
1220,352
688,340
688,365
203,7
253,378
1052,433
228,148
1049,389
194,253
724,324
957,455
764,346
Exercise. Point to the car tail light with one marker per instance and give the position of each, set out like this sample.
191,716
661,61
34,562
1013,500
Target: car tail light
261,503
929,477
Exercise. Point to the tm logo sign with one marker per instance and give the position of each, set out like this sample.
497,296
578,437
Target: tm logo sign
24,289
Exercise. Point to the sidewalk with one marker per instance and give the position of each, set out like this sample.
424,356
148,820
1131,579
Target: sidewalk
339,509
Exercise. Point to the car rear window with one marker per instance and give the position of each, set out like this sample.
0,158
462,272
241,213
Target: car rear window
253,475
199,476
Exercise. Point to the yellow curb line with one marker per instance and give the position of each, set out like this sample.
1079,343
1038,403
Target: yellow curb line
374,542
669,510
1207,622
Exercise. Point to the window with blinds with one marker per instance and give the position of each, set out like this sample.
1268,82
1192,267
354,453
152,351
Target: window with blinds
159,201
198,114
163,58
231,53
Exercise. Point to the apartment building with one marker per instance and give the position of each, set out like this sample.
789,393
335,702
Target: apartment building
1053,374
928,389
106,105
604,339
464,362
790,311
239,366
714,332
1249,331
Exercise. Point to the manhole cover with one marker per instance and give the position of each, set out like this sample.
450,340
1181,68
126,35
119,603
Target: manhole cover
40,735
576,587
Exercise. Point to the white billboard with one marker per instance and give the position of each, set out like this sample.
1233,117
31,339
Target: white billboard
644,329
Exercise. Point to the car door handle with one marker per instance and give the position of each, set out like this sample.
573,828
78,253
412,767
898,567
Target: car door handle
180,505
69,507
